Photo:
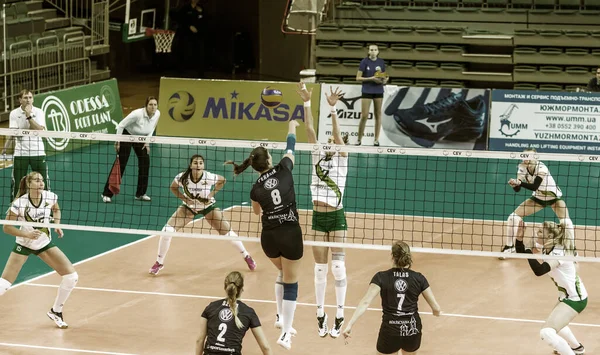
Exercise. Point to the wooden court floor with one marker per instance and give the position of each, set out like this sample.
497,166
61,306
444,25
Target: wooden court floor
490,306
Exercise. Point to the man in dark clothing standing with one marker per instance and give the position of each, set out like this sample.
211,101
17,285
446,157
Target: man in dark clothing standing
189,38
594,83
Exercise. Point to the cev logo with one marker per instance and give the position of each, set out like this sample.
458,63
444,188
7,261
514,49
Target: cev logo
56,111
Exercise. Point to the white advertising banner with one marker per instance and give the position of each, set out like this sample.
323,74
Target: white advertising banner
413,117
556,122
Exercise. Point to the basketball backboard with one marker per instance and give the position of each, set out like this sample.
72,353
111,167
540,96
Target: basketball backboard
138,16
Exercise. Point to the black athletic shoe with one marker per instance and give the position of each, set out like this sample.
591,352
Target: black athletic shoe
451,118
57,317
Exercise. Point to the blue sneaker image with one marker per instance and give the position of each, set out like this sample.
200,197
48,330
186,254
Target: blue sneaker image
450,118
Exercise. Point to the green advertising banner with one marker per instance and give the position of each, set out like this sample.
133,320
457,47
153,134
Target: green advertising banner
229,109
93,108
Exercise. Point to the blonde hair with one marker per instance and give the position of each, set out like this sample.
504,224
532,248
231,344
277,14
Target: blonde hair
234,285
559,234
401,254
24,183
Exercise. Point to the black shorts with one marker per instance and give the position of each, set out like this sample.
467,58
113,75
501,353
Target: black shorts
372,96
390,340
285,241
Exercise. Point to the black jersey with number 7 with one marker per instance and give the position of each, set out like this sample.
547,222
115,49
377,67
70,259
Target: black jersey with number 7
274,191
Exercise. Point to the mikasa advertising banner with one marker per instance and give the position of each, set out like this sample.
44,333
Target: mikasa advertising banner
88,108
231,109
414,117
556,122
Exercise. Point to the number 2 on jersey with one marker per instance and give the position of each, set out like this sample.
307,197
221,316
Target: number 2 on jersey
223,329
276,196
401,297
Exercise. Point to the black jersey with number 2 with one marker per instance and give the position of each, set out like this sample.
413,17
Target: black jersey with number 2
222,335
400,290
274,191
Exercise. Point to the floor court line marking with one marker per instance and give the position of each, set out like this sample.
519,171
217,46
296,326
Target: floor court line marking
181,295
101,254
62,349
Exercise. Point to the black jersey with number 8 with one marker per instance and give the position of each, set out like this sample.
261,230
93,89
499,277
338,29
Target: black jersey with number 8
274,191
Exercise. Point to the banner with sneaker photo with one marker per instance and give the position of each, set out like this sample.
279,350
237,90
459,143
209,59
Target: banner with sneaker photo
415,117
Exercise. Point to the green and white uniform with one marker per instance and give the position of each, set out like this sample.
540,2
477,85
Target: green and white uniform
548,189
196,190
25,210
565,277
329,178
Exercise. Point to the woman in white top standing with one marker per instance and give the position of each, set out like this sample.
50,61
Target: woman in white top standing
535,176
330,170
140,122
198,199
559,240
33,204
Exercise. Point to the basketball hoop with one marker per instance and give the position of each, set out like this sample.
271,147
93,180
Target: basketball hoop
163,39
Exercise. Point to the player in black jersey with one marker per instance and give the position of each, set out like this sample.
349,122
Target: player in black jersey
399,288
281,236
225,322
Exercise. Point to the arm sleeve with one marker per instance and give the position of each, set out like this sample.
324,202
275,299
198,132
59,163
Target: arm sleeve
533,187
424,283
363,66
287,163
15,207
12,121
376,280
538,268
254,321
126,121
383,66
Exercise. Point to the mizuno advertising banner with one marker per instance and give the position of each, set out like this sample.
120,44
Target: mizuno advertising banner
554,122
226,109
413,117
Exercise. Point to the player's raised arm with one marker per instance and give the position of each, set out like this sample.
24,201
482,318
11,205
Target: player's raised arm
291,140
306,96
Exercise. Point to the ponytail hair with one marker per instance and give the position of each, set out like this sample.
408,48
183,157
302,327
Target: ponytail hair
401,255
559,234
258,159
234,285
24,183
188,171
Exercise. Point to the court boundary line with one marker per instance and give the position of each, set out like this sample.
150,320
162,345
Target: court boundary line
251,300
105,253
71,350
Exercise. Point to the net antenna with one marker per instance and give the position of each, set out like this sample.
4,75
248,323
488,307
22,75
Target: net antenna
163,39
303,16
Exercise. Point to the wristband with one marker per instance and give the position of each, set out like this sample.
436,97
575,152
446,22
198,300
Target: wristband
291,143
306,103
333,109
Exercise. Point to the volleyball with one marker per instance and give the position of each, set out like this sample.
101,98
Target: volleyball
271,97
181,106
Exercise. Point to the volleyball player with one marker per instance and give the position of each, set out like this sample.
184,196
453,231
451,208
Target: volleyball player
33,204
198,199
399,288
559,239
281,236
330,170
535,176
224,322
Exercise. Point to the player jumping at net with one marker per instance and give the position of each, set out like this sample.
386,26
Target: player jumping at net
33,204
535,176
559,239
224,322
281,236
399,288
329,174
198,199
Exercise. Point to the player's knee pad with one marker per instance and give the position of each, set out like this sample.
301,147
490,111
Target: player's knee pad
549,336
290,291
4,286
320,273
338,269
514,220
69,281
341,256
